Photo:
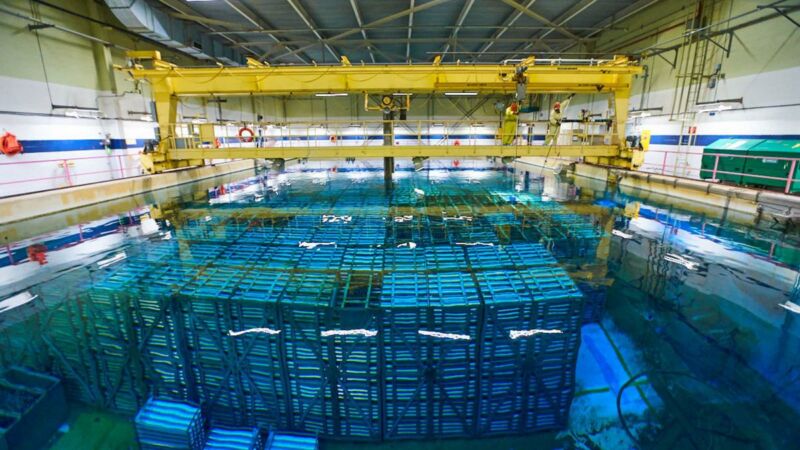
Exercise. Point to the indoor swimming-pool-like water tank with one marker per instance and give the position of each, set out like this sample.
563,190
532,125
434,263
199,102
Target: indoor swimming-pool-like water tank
455,304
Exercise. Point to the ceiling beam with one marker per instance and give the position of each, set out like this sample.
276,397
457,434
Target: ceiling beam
413,40
561,20
298,8
401,27
629,11
510,20
540,18
381,21
257,21
459,22
361,25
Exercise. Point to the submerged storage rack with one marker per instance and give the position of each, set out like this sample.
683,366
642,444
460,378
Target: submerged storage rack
360,337
166,424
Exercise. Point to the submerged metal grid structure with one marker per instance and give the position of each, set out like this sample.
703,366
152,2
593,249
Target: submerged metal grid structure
366,339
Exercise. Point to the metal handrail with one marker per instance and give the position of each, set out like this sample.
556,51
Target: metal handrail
343,132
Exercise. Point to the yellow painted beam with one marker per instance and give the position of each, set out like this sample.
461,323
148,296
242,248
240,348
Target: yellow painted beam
286,80
407,151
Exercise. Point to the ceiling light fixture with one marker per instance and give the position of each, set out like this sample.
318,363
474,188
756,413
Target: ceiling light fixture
461,94
331,94
718,105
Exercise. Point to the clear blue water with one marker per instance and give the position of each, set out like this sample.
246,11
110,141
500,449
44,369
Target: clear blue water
695,345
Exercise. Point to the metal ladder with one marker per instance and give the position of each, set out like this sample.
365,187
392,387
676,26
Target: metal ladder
688,84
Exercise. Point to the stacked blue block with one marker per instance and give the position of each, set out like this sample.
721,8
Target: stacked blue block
162,424
285,441
253,307
192,294
320,259
362,259
233,439
530,382
352,367
444,258
405,259
207,311
281,257
430,380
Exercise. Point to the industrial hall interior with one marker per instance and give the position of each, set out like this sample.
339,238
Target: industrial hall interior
399,224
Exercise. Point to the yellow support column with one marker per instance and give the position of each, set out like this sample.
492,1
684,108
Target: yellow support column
621,100
166,104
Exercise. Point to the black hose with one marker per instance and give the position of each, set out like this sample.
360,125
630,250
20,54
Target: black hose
688,375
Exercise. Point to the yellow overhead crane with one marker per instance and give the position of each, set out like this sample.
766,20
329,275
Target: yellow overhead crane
169,82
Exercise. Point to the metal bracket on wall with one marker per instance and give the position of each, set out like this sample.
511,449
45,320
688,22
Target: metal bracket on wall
674,62
784,11
727,47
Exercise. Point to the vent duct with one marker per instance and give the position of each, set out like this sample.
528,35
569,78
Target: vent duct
138,16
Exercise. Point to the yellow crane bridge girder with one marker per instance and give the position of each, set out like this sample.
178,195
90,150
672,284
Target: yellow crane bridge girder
381,79
386,79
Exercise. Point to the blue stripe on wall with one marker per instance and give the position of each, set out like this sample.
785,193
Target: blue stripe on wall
67,145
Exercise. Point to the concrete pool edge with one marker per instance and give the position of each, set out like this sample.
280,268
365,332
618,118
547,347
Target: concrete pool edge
28,206
748,201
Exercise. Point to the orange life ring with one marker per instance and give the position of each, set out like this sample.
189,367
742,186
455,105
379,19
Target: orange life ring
244,138
9,145
333,138
217,143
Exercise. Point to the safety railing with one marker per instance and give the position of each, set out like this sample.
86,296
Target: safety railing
379,132
64,172
715,167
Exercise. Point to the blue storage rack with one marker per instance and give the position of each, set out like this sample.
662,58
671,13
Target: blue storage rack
530,382
444,258
163,424
178,300
281,257
286,441
320,259
234,439
362,259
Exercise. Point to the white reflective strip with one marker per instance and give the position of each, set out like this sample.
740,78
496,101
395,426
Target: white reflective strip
16,300
313,245
793,307
621,234
109,261
470,244
401,219
678,259
516,334
467,218
356,332
436,334
408,244
334,219
419,191
253,330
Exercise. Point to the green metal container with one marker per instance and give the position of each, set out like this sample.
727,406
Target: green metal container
726,163
768,164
